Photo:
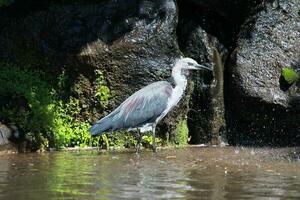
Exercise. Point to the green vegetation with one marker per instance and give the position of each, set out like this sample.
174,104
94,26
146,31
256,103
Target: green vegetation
30,101
118,140
68,130
39,112
102,91
21,83
36,104
290,75
182,133
147,141
5,2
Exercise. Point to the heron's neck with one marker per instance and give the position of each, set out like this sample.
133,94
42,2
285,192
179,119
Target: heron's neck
180,86
179,79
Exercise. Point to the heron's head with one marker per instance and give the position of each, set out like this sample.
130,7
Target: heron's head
189,64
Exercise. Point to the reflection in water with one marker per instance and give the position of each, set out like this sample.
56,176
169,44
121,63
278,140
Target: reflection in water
3,174
192,173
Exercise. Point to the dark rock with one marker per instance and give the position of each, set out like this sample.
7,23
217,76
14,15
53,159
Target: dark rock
259,109
206,31
131,43
5,134
221,19
206,120
8,133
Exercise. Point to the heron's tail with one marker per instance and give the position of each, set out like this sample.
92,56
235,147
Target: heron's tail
101,126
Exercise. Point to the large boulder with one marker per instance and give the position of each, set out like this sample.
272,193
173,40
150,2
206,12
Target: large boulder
5,134
8,133
261,108
128,43
206,30
206,117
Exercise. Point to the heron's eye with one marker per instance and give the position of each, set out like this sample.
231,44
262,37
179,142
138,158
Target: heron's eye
189,63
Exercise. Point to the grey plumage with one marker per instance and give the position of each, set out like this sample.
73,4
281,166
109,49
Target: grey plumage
144,106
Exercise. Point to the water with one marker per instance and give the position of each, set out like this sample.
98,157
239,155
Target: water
192,173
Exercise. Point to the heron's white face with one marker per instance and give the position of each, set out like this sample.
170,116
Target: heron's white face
190,64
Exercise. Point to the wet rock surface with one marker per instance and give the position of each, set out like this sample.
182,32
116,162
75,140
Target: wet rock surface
259,109
199,37
206,114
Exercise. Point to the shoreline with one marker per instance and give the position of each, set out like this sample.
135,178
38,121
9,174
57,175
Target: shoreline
14,150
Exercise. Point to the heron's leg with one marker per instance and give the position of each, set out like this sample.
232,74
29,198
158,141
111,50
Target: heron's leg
139,138
153,140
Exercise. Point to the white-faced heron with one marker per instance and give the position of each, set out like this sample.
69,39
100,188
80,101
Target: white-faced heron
146,107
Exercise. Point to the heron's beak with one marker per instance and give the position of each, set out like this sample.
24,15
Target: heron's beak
202,67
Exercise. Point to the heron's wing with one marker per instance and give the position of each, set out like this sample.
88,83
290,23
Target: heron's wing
144,106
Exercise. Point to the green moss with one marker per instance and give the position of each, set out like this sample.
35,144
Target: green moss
182,132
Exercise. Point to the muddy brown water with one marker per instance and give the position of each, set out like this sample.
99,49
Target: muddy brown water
190,173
